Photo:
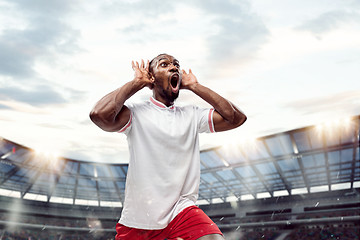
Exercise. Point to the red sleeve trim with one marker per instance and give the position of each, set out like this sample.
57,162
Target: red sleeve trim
127,125
210,120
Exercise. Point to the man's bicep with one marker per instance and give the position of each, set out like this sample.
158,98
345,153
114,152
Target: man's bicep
220,124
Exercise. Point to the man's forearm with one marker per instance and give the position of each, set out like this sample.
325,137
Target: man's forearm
105,112
124,93
226,109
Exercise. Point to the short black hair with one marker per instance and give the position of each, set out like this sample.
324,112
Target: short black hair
154,59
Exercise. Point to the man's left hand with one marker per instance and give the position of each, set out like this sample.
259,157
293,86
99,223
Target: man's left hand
188,80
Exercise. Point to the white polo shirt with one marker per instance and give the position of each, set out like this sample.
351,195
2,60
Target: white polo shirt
164,167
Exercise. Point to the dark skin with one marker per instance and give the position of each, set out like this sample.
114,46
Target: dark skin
110,113
166,79
165,70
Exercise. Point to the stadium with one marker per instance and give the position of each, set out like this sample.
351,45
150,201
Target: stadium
289,69
299,184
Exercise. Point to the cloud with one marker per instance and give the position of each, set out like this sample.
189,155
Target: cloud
141,32
348,102
329,21
240,32
141,9
2,107
56,126
52,9
40,94
45,35
236,39
17,54
134,28
147,21
235,33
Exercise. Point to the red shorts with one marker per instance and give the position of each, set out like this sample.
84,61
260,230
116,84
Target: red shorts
190,224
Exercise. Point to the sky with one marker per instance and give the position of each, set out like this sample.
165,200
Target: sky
286,64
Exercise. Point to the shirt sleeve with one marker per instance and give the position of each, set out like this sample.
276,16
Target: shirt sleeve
125,129
205,120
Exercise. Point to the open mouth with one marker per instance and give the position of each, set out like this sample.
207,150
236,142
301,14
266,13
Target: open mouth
174,82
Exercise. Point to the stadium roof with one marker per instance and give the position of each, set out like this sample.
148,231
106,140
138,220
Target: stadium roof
312,159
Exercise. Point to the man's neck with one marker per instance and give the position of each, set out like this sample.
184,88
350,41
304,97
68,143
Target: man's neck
163,100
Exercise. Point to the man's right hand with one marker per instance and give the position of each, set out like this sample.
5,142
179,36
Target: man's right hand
110,113
142,74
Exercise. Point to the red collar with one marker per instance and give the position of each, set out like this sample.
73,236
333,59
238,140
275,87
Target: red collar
160,104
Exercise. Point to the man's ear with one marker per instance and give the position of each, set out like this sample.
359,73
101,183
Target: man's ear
151,76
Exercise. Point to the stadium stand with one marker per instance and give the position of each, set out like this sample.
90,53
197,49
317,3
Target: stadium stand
300,184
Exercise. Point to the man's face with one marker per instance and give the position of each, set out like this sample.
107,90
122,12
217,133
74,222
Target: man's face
166,71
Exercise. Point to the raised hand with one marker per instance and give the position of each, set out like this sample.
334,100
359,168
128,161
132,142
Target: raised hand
142,73
188,79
